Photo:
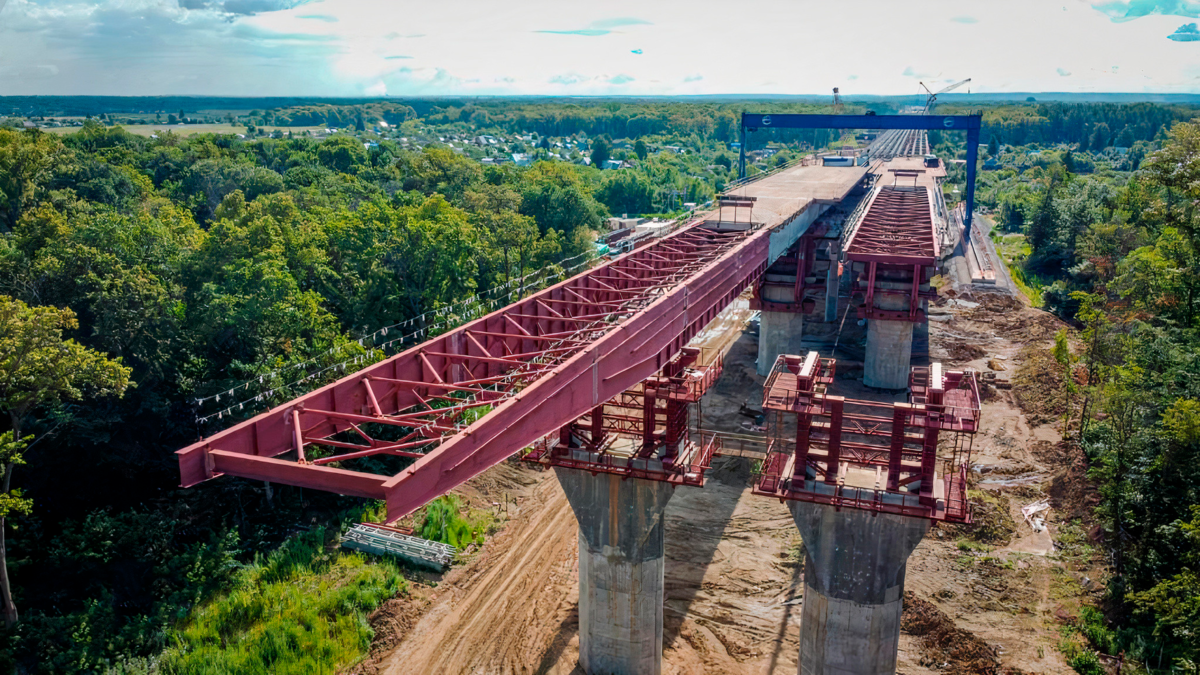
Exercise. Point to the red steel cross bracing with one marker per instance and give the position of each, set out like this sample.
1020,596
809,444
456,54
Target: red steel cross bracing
897,228
466,400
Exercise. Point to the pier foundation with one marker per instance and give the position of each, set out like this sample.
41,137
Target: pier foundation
853,587
620,570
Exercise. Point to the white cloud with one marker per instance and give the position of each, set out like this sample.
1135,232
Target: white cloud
1185,33
354,47
569,79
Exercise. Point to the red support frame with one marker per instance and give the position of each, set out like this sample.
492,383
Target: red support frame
897,228
896,240
466,400
899,437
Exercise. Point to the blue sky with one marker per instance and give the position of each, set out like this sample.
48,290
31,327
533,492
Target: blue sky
616,47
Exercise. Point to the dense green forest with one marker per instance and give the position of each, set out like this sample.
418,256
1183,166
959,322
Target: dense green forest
200,264
1112,243
171,269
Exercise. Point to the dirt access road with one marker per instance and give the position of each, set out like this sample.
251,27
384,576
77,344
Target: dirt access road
733,565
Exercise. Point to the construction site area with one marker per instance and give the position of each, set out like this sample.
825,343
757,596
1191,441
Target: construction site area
734,562
804,431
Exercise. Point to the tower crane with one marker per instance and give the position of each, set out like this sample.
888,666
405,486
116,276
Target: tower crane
932,100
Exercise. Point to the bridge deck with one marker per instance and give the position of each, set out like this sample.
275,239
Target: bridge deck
780,197
898,224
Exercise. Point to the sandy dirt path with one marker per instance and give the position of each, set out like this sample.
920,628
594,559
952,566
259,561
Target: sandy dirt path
496,614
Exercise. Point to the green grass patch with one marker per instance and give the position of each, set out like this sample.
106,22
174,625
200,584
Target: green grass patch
302,609
795,552
446,520
1081,640
1072,541
1064,585
1093,627
998,563
968,546
992,524
1083,660
1014,250
1030,285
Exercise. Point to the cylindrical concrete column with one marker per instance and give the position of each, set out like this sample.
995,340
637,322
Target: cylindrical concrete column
620,570
778,333
889,354
889,345
853,587
831,290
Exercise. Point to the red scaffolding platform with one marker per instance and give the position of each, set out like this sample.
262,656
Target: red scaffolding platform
643,432
869,455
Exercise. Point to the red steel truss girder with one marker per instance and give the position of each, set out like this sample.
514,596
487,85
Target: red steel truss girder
897,227
608,329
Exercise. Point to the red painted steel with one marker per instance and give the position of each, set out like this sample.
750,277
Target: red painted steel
897,228
896,243
689,473
652,417
466,400
807,460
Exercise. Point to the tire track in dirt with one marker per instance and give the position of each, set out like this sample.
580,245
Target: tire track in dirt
501,613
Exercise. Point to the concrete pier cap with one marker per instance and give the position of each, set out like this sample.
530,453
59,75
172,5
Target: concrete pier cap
620,570
854,568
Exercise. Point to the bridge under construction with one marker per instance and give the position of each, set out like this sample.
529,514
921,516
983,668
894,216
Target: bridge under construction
597,377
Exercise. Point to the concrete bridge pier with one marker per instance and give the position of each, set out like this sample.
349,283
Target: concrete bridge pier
620,570
854,568
779,332
831,289
889,345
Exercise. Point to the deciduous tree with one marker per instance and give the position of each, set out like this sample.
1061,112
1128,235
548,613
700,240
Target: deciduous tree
28,159
38,371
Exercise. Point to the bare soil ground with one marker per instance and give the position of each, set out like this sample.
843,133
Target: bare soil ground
733,565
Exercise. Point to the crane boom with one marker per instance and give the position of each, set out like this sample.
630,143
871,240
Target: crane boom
952,87
929,103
